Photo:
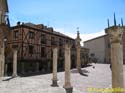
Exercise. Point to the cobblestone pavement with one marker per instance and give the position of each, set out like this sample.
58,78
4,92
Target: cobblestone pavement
98,77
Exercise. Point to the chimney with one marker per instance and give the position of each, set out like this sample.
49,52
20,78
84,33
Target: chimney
18,23
50,29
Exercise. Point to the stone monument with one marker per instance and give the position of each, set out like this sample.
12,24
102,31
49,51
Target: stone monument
115,36
14,62
3,33
55,55
78,48
67,84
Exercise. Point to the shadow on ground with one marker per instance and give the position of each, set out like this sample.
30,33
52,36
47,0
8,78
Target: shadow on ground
82,72
7,79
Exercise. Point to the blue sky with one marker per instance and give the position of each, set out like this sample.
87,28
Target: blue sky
89,15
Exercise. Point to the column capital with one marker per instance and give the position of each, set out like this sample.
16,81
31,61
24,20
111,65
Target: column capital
53,47
115,34
67,46
78,41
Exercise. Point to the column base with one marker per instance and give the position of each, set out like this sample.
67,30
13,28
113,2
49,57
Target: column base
79,70
13,76
1,78
54,83
69,90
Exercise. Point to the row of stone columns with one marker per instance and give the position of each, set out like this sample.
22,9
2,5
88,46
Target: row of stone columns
115,36
67,84
116,61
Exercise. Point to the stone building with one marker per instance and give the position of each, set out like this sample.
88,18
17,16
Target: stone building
100,47
34,44
97,48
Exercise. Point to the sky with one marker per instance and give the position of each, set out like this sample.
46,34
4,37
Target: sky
66,15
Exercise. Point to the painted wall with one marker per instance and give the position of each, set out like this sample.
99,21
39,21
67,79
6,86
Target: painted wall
97,47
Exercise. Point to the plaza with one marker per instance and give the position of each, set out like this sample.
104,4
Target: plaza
98,77
37,49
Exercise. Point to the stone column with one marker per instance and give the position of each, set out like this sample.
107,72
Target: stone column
2,59
78,58
67,84
14,63
115,35
3,10
55,55
0,62
78,48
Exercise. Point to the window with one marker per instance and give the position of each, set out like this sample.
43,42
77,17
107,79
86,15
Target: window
16,34
30,49
67,41
53,42
92,54
60,42
43,39
31,35
60,53
73,44
108,45
15,46
43,51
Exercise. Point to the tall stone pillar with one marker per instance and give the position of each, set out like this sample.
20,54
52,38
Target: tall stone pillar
0,63
14,63
67,84
54,79
115,36
3,30
2,58
78,58
78,48
3,10
1,68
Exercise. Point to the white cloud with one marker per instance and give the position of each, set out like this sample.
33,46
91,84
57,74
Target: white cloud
84,37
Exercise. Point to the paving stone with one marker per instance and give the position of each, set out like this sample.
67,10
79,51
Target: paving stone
100,77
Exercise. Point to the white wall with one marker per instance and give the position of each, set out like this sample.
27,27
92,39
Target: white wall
97,46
